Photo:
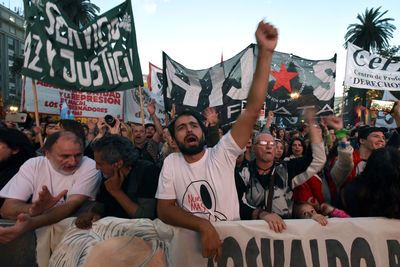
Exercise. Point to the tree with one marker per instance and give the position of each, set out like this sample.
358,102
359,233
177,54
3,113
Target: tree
80,12
373,33
390,52
18,62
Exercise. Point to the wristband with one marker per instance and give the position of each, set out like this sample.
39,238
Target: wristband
344,145
341,133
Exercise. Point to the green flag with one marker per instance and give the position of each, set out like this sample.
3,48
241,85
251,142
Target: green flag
102,56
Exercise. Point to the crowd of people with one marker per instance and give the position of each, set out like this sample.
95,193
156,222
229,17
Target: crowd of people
191,173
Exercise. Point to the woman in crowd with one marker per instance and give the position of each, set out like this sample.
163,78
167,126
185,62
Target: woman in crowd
126,131
280,150
281,134
296,149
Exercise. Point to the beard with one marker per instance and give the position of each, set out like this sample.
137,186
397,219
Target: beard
191,150
60,170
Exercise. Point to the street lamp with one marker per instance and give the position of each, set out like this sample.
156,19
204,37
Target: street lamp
294,95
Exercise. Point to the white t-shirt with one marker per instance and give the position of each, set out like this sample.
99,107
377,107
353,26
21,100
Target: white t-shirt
205,188
37,172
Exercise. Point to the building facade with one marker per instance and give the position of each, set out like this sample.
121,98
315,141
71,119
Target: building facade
12,34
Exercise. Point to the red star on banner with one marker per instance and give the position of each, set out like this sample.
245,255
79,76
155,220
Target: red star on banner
283,78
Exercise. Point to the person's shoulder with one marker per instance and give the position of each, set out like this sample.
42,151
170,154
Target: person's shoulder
226,141
87,162
173,157
36,160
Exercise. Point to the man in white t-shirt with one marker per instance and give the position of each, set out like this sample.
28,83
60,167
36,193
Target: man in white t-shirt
197,185
58,184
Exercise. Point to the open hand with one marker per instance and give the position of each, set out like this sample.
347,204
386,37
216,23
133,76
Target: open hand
45,201
211,116
151,107
335,122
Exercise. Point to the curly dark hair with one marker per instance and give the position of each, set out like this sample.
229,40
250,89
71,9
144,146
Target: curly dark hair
290,151
380,184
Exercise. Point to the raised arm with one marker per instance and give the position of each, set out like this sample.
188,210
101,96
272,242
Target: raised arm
267,37
151,108
269,121
344,163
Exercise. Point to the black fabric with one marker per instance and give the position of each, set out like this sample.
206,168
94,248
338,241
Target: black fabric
212,135
88,151
298,165
141,182
348,199
394,140
149,151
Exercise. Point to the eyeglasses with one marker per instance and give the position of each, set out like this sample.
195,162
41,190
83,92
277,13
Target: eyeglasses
265,143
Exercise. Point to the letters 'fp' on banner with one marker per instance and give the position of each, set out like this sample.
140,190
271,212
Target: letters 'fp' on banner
368,71
102,56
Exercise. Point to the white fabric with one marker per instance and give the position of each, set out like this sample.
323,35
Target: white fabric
205,188
76,244
37,172
369,71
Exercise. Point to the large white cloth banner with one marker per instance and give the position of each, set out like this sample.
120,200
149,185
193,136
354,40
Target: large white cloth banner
82,104
352,242
368,71
132,108
349,242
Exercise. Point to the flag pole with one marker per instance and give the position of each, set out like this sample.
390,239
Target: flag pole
37,112
141,104
344,91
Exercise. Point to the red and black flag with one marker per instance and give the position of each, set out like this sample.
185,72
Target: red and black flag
294,84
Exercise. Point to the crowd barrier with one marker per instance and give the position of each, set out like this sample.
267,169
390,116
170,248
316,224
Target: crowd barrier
343,242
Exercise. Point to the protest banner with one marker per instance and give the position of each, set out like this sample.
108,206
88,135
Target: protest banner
226,84
305,243
155,80
297,83
132,110
81,104
100,57
369,71
342,242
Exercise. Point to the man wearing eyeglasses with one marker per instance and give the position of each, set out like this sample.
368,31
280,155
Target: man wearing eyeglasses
268,185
